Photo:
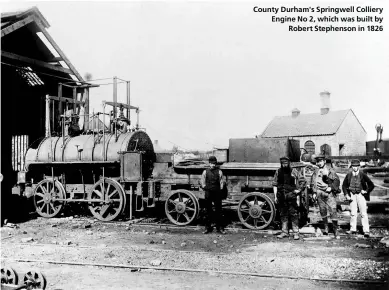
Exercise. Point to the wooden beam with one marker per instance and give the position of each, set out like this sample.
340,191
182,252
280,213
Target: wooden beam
70,101
60,52
35,62
16,25
118,104
75,100
80,86
55,59
60,106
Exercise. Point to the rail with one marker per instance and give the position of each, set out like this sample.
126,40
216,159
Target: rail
139,267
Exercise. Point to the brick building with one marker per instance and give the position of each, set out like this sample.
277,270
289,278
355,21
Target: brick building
334,133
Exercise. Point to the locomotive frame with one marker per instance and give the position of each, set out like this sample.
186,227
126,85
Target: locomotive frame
117,172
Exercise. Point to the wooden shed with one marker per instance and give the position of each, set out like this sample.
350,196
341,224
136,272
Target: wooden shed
33,69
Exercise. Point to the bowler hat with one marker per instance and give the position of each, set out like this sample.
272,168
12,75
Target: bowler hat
355,162
212,159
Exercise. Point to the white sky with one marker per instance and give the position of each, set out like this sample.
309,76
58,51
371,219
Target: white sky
204,72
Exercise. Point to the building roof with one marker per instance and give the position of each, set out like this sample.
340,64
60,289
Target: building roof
313,124
27,47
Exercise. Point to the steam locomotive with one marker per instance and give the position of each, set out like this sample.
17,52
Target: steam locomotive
116,172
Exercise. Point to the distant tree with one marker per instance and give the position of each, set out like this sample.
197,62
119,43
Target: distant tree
88,76
175,148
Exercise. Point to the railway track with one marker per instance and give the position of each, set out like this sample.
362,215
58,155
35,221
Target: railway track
134,268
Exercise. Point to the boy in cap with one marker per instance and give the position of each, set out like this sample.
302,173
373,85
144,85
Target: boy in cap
287,185
356,188
325,186
212,182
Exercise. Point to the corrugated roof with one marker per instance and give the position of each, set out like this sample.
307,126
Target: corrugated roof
305,125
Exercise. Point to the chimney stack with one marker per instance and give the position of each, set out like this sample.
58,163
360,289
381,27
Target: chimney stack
295,112
325,102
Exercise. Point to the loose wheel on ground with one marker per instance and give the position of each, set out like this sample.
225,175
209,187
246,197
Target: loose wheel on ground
256,210
181,207
9,276
107,200
46,195
35,280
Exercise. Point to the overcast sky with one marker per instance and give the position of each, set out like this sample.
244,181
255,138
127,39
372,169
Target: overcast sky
204,72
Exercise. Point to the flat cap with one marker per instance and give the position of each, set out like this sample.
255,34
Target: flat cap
284,158
320,157
355,162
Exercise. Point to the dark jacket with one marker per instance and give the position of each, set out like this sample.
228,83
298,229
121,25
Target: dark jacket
287,184
366,184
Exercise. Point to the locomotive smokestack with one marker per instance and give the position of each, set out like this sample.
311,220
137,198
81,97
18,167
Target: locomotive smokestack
295,113
325,102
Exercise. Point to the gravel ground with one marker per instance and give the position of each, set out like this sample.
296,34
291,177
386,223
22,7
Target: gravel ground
76,240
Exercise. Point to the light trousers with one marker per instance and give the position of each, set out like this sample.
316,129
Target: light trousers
358,201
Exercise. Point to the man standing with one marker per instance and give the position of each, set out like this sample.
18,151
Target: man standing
357,187
325,186
212,182
287,185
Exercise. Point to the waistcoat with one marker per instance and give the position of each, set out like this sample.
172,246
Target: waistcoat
212,179
355,184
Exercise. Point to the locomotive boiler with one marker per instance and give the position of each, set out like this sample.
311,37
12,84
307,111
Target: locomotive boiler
115,171
100,169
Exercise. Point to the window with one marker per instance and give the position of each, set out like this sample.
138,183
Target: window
310,147
325,149
342,149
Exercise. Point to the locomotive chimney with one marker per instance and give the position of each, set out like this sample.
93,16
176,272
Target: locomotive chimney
325,102
295,112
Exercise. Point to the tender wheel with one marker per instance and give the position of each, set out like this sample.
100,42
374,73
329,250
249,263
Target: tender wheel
9,276
256,211
108,200
45,198
181,207
35,279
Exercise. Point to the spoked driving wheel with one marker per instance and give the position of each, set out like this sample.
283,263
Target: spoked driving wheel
46,195
181,207
107,200
256,211
9,276
35,280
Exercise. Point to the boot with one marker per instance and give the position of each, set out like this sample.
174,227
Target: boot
335,228
285,231
325,231
282,235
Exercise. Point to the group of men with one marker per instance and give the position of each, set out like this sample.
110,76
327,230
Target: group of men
288,185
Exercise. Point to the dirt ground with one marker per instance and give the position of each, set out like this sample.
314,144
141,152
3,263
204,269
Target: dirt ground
73,239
